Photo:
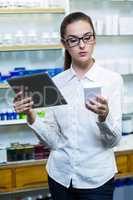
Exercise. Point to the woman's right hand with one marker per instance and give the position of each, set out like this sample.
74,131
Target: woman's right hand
23,104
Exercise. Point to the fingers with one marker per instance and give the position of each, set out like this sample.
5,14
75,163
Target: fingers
18,96
95,107
91,107
23,107
101,100
22,101
22,104
98,106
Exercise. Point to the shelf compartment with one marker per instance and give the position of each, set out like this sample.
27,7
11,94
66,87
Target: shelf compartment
27,178
6,177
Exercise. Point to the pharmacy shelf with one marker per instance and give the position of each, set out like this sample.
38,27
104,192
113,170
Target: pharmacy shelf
22,163
12,122
30,47
31,10
4,86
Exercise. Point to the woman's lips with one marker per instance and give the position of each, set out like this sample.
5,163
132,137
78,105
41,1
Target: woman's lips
82,54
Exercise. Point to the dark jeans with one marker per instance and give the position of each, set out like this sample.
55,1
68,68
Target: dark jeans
59,192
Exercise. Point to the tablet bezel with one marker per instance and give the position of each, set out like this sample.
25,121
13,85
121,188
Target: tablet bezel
29,84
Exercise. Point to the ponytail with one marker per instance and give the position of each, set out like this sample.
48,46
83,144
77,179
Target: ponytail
67,60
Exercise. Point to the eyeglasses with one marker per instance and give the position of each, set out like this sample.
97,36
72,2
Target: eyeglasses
87,38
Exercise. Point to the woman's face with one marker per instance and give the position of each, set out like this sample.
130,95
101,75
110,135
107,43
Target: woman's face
79,41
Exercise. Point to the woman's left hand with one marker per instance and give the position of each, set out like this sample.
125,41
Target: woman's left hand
99,106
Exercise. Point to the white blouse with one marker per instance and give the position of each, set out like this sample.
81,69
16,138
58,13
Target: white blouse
82,147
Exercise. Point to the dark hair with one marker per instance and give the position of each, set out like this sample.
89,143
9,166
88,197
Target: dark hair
72,17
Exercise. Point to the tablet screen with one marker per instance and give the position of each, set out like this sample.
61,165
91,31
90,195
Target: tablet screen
40,87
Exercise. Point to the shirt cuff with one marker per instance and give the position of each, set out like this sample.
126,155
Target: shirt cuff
108,123
37,123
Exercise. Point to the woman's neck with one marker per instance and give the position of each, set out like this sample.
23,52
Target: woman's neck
81,69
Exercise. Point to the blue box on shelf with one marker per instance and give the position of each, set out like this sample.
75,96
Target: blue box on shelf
19,69
0,77
4,78
2,116
11,115
17,73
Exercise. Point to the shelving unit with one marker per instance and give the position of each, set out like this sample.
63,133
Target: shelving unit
16,180
31,56
38,55
15,177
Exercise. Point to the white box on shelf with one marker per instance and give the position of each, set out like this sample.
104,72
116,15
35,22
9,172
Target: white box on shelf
44,3
131,66
115,25
99,26
3,154
19,38
127,125
128,105
108,25
126,27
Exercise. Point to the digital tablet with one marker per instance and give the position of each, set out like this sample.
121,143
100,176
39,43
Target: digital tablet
40,87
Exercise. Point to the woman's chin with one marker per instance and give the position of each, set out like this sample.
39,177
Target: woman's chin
83,59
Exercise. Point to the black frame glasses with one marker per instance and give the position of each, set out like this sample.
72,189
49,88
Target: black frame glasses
72,40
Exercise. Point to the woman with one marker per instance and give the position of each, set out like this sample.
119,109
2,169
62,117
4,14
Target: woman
81,134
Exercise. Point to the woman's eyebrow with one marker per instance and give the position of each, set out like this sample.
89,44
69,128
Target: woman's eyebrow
78,36
72,36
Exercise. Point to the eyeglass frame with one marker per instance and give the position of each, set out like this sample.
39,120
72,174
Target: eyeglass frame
79,39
